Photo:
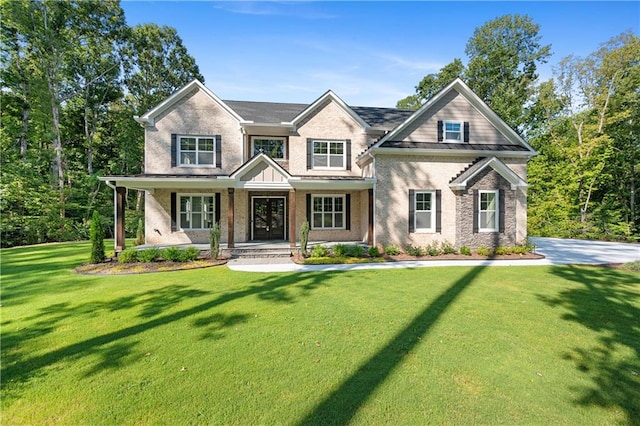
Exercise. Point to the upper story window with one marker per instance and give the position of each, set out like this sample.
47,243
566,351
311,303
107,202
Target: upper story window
453,131
329,154
197,150
488,211
272,146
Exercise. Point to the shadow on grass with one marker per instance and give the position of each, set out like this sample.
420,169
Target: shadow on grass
341,406
607,302
114,352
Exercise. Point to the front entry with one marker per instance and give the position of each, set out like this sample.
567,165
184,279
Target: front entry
269,218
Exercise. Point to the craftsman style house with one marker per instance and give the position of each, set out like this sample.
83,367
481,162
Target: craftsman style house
452,170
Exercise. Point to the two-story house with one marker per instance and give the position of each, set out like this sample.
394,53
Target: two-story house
452,170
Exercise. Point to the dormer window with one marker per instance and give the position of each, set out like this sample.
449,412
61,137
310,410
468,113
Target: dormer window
453,131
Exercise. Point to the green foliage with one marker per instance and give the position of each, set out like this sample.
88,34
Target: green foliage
433,249
503,250
373,251
448,248
392,250
304,237
172,254
214,240
414,250
97,239
140,233
319,251
466,250
632,266
189,254
432,84
129,255
484,251
148,255
339,250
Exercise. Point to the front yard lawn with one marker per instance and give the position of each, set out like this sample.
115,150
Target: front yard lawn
483,345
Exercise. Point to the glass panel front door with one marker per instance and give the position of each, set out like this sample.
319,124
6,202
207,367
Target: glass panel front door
268,218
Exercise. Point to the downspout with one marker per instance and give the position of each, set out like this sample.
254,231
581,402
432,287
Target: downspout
375,195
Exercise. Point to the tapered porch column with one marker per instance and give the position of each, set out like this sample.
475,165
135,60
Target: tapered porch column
230,242
292,218
120,197
370,228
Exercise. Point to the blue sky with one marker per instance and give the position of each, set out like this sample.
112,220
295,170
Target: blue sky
368,53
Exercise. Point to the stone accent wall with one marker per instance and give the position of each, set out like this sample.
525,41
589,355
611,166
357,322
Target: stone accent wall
488,179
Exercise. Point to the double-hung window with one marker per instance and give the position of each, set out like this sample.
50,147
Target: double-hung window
328,212
197,151
488,211
425,212
329,154
272,146
196,211
453,131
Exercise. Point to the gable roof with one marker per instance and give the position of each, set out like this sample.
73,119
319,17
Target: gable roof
460,182
319,103
148,119
464,90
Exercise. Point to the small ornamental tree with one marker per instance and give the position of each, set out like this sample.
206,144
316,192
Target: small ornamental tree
140,233
304,237
214,241
97,239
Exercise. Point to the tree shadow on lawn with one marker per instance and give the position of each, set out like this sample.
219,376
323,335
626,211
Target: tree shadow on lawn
607,302
341,406
18,367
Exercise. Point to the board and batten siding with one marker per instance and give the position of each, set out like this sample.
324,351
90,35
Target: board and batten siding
452,107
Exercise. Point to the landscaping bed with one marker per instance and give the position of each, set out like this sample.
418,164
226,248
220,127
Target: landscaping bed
113,267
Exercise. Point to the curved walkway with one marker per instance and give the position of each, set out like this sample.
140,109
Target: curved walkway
557,251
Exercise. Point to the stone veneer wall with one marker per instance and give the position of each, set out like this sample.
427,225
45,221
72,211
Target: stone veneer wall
488,179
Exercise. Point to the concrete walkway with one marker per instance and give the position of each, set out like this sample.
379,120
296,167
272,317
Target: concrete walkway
557,251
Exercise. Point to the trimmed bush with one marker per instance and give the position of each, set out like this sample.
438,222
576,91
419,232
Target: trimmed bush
340,250
171,254
189,254
433,249
466,250
97,239
355,251
319,251
414,250
483,251
503,250
148,255
448,248
392,250
129,255
374,252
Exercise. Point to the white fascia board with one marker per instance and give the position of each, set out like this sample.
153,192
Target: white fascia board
262,185
447,152
262,157
502,169
342,185
149,116
333,97
150,183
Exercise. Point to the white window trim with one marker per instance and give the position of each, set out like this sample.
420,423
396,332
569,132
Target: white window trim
344,212
444,131
282,138
496,218
197,137
191,195
431,229
329,142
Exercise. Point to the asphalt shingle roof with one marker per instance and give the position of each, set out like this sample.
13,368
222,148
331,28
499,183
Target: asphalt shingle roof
453,146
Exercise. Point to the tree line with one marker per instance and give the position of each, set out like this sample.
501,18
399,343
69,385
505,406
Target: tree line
74,74
584,122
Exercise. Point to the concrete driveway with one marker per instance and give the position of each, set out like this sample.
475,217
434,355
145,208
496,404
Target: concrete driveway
557,251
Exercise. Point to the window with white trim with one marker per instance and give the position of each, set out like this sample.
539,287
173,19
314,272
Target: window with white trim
329,154
196,150
425,212
272,146
488,214
453,131
328,212
196,211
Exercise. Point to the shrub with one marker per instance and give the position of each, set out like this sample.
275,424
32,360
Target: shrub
304,237
129,255
355,251
466,250
520,250
189,254
96,234
448,248
632,266
171,254
148,255
140,233
374,252
503,250
214,240
392,250
319,251
433,249
340,250
414,250
483,251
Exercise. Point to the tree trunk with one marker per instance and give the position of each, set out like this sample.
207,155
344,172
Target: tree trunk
26,110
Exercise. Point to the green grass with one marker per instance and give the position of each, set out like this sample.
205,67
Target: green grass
501,345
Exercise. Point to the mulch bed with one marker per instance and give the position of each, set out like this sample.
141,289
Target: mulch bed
113,267
299,259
